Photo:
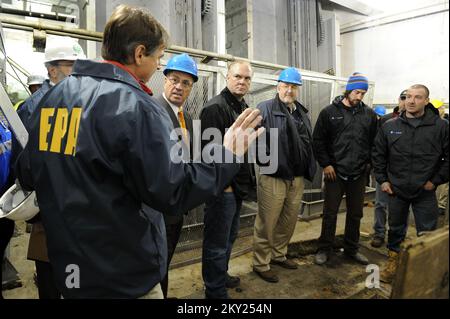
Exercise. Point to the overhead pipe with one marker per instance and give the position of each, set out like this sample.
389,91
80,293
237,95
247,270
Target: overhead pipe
20,24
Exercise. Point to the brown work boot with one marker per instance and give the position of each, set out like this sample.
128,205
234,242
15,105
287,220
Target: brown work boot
287,263
388,273
268,275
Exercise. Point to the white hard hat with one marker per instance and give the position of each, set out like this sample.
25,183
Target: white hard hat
18,205
64,49
35,79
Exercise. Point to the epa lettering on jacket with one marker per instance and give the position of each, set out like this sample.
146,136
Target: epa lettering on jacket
59,125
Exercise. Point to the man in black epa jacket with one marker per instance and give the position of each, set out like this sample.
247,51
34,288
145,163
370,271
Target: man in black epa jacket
343,139
410,160
99,159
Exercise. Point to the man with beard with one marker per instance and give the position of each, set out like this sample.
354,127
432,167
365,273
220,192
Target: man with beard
280,193
343,139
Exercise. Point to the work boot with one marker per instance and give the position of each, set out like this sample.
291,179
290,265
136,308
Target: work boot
232,281
321,257
287,263
377,242
268,275
388,273
358,257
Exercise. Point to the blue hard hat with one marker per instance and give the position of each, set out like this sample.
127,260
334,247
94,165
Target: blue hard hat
291,75
380,110
182,63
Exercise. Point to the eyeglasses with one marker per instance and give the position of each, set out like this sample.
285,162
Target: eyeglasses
403,97
185,84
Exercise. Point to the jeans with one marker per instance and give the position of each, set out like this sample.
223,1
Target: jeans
221,228
381,206
425,211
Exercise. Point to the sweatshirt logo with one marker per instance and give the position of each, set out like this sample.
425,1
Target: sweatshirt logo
337,117
395,132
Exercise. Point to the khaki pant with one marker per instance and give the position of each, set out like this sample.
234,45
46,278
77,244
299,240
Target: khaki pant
278,207
442,195
155,293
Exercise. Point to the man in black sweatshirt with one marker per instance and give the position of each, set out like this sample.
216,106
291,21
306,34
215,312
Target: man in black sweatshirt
410,160
222,212
343,138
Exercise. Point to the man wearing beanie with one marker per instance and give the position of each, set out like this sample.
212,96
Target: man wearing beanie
342,142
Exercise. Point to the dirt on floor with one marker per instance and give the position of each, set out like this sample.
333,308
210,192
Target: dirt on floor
340,278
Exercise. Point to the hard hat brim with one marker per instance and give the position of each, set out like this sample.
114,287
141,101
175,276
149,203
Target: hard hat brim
195,77
24,211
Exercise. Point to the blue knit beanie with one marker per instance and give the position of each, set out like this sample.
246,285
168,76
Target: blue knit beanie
357,81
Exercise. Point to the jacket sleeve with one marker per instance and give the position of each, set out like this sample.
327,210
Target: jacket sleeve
320,139
263,142
160,182
380,154
441,177
211,117
374,128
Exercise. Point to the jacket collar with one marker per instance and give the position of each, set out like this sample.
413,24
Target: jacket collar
277,102
338,102
111,71
430,117
233,102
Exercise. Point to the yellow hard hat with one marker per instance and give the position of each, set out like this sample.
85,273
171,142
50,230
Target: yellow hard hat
437,103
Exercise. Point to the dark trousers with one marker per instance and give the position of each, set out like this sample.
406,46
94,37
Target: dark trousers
6,232
221,229
425,210
333,193
46,282
174,225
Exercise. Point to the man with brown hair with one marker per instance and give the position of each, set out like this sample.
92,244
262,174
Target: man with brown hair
410,160
343,139
99,158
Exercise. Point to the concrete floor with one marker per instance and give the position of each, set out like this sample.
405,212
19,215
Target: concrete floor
340,279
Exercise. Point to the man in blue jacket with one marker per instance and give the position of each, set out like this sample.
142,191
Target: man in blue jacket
411,159
343,140
280,192
60,55
99,159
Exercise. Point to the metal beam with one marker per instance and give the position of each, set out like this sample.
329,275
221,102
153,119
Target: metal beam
20,24
356,6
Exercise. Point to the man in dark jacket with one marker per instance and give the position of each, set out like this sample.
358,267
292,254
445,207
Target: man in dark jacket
280,192
181,74
381,198
60,56
99,158
410,160
343,138
222,213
